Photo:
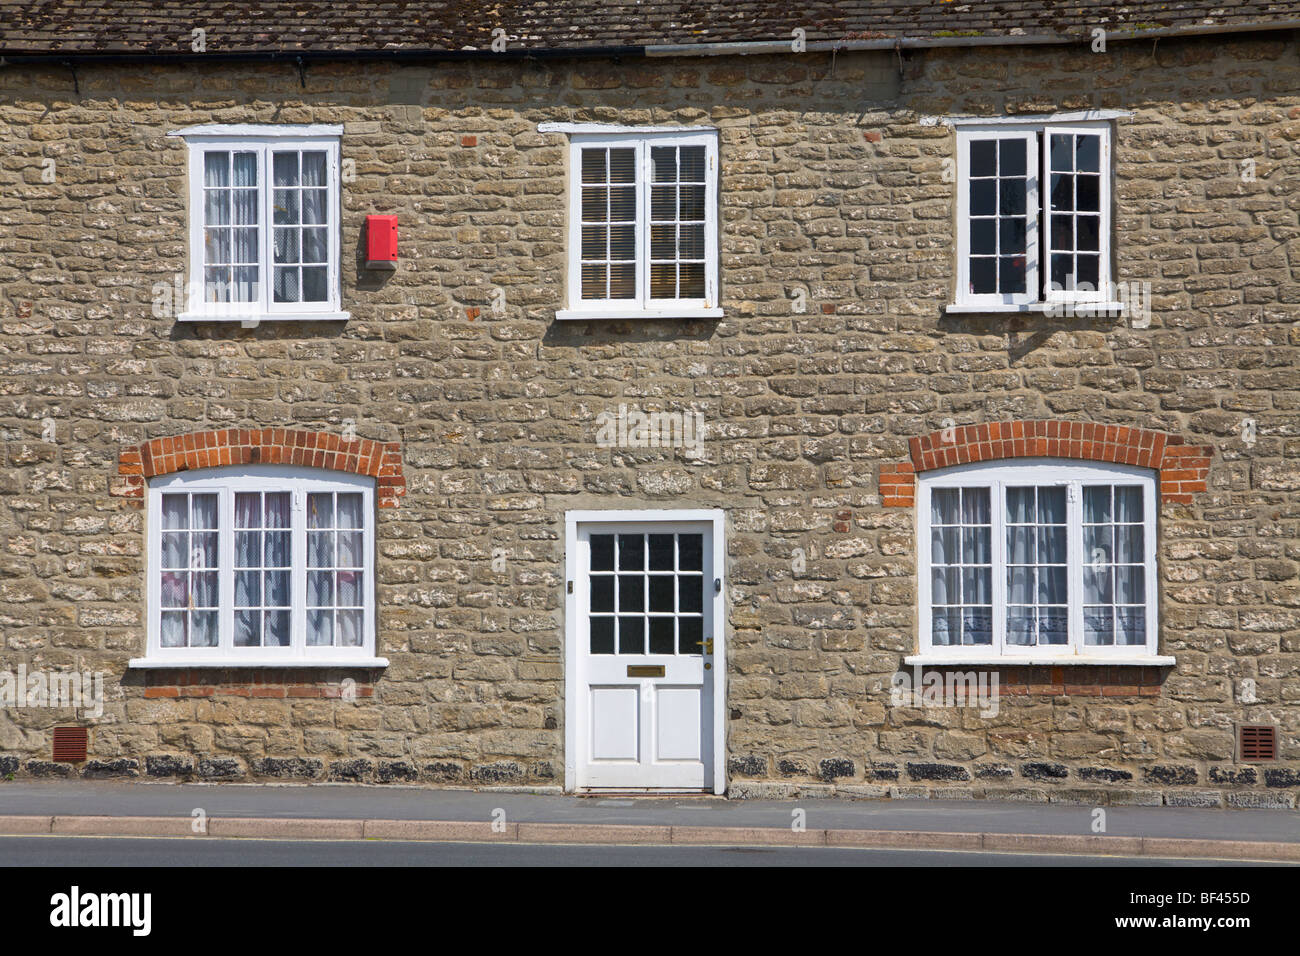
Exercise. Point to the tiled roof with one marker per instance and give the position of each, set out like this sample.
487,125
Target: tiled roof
255,26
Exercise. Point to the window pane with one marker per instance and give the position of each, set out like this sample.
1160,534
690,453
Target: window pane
943,545
945,627
631,592
690,593
690,552
248,628
175,511
662,552
593,165
203,626
1128,503
631,552
320,628
631,635
350,628
602,635
1097,626
690,635
663,636
275,626
602,552
944,505
216,169
602,593
662,595
285,169
975,506
983,158
313,168
314,285
1130,625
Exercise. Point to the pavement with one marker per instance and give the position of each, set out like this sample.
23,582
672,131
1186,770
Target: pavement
413,814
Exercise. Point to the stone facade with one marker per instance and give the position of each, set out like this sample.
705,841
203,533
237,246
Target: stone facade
833,192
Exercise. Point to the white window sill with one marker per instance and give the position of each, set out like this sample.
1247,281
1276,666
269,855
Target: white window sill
1059,308
1039,660
252,321
569,315
233,663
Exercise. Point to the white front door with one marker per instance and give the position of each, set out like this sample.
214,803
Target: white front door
644,656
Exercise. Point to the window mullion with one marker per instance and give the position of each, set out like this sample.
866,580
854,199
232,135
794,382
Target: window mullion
997,506
1074,551
643,224
264,227
225,572
298,576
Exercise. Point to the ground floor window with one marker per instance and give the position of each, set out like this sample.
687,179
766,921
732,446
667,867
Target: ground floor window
260,564
1053,558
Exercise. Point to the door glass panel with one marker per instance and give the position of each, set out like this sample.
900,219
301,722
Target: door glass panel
646,593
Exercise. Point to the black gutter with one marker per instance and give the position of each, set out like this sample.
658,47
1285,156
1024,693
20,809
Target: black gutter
321,56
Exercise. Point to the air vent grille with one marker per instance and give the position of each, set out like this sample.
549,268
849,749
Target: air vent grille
70,744
1257,742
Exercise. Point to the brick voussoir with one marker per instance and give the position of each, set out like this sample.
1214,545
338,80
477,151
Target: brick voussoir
236,446
1184,469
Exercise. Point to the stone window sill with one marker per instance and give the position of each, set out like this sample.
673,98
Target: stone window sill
1040,660
243,663
253,321
577,315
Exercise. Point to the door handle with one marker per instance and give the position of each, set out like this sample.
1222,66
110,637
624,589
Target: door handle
708,646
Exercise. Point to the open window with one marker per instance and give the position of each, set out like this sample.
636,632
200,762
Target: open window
1033,215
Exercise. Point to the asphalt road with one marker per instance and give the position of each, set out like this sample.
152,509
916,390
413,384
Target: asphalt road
131,852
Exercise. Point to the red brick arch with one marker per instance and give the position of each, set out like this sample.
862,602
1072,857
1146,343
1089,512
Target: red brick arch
1184,469
263,446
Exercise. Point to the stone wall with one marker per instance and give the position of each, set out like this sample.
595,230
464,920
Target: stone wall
833,192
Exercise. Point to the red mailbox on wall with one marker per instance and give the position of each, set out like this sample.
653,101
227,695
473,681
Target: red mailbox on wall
381,242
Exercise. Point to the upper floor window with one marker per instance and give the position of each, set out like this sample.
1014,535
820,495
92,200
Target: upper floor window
1037,560
264,223
1033,214
643,225
260,565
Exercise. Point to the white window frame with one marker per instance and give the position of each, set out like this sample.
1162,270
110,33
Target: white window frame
997,476
642,307
225,482
262,140
1038,232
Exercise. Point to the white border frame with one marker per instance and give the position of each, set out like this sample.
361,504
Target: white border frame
224,482
996,475
263,140
642,307
717,519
